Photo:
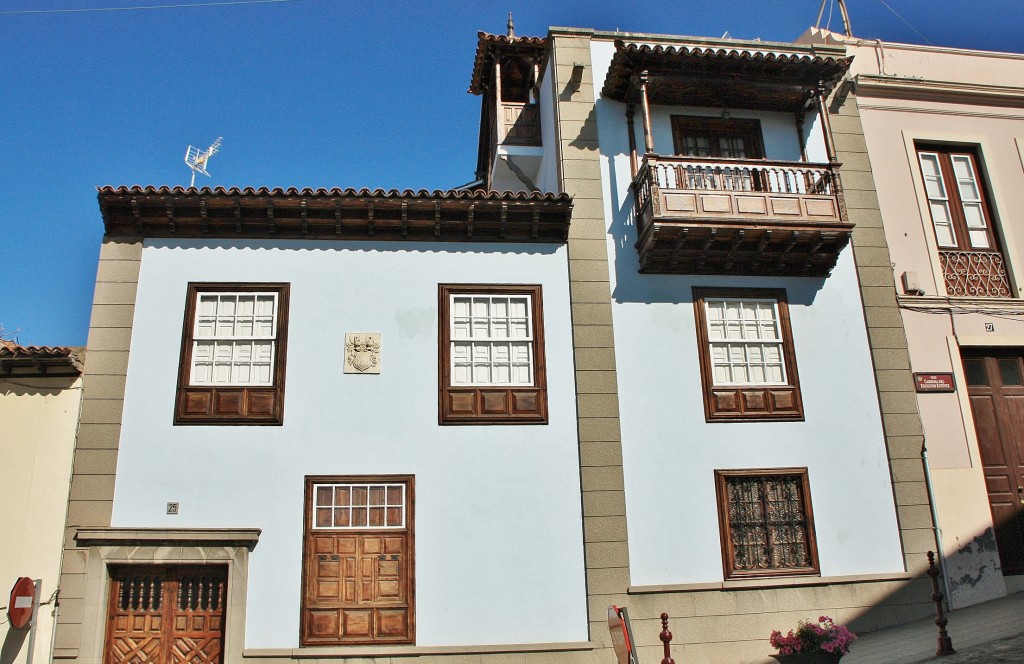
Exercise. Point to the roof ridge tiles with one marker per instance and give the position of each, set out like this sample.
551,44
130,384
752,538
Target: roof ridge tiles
349,192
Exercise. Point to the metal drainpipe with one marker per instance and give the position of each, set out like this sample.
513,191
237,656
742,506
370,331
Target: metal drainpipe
935,520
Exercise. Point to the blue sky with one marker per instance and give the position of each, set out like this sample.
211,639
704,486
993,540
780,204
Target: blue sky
316,93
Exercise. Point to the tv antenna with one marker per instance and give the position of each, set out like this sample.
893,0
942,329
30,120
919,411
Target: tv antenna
842,10
197,159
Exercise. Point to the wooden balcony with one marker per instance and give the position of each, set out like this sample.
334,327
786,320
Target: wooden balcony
735,216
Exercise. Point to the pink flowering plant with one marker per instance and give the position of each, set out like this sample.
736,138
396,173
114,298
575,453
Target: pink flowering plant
822,636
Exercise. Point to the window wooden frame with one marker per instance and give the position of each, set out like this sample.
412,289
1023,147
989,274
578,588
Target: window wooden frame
491,404
406,534
716,128
232,404
725,528
945,155
764,402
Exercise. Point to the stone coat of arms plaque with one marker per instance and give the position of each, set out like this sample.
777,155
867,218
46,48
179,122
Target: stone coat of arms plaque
362,353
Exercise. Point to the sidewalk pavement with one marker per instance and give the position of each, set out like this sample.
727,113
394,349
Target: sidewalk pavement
988,633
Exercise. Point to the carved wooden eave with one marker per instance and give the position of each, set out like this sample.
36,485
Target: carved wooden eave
339,214
750,75
489,47
741,248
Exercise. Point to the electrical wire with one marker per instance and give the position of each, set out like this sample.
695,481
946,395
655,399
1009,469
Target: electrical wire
905,22
1006,314
141,7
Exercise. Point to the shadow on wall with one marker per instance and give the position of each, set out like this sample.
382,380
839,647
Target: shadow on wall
12,645
357,246
31,386
974,569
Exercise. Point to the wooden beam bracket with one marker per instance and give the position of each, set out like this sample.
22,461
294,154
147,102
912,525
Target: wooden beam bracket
202,214
169,207
137,215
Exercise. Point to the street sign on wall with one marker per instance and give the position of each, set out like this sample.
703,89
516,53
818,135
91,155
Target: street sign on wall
934,382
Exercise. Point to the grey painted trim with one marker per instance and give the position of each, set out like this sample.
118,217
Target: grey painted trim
601,476
95,462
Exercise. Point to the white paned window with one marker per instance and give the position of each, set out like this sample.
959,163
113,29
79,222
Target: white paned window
491,340
938,199
234,339
746,344
970,199
351,506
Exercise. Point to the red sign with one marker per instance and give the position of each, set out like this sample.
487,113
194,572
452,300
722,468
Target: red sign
19,610
934,382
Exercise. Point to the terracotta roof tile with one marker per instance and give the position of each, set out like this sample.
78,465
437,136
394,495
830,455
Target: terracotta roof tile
33,361
721,52
335,192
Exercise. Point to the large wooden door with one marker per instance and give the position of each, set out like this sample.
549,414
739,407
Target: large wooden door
357,562
166,615
995,384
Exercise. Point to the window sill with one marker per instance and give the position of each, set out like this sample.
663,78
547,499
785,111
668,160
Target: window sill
772,582
318,652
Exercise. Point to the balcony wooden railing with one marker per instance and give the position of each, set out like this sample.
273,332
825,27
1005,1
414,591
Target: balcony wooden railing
975,273
520,123
738,216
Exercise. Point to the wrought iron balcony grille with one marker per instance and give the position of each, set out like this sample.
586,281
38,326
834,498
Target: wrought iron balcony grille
975,273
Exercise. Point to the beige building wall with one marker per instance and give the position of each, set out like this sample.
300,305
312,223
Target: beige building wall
909,95
40,417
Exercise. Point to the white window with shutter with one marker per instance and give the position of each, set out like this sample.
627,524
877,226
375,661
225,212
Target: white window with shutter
746,342
492,340
234,339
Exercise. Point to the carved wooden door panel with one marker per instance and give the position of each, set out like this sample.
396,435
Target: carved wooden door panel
358,563
166,615
995,384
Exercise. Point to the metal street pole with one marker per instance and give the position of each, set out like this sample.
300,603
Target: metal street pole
35,618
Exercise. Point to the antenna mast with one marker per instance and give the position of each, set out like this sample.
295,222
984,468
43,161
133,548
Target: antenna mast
842,11
197,159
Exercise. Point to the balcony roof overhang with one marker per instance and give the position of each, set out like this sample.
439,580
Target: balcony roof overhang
336,214
489,47
782,78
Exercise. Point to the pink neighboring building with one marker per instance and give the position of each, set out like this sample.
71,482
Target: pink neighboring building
944,132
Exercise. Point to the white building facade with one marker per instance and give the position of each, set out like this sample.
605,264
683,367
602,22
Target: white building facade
459,425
